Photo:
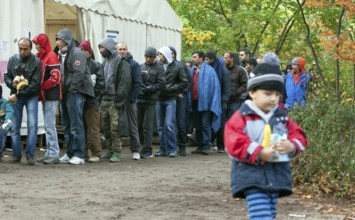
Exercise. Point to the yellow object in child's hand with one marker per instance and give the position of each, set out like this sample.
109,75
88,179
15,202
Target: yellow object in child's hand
267,136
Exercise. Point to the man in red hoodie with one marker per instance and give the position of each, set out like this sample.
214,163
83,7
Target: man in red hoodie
50,94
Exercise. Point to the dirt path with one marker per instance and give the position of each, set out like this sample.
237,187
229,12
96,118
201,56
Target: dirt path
193,187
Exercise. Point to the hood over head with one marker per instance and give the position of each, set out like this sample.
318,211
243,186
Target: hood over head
109,44
167,54
43,41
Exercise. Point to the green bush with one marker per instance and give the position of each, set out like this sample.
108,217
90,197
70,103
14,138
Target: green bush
328,164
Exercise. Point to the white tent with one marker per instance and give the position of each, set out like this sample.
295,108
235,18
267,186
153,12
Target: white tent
139,23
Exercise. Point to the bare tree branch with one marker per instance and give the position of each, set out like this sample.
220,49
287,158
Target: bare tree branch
264,28
337,58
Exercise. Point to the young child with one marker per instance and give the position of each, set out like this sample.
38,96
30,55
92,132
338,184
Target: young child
260,170
6,112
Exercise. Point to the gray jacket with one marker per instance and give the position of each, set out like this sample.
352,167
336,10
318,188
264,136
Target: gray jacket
76,76
117,75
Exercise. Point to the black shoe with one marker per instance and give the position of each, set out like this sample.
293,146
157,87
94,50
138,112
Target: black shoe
30,161
205,152
182,152
146,155
15,159
197,151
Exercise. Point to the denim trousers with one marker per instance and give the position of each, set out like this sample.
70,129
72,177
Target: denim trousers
92,131
232,108
31,105
166,120
181,121
203,125
73,126
49,117
2,140
145,115
218,136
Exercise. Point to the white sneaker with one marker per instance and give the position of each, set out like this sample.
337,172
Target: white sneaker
64,159
136,156
76,161
94,159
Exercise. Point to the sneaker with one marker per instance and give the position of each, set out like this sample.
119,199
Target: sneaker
94,159
116,157
51,160
136,156
220,150
160,153
183,152
41,159
108,155
15,159
76,160
30,160
146,155
172,153
64,159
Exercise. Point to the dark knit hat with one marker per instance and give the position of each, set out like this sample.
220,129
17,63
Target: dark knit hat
266,77
86,46
173,49
150,51
210,54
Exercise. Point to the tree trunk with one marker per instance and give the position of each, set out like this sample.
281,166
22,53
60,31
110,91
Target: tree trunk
311,46
337,82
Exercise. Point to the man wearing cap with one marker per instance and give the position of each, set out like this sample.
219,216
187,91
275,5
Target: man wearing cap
296,83
76,81
117,75
50,94
92,106
153,82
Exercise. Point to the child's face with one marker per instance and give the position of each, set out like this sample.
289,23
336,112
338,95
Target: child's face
265,100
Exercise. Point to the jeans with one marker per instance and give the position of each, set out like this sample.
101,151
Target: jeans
166,120
49,116
232,108
203,125
145,114
31,105
131,112
92,131
73,126
181,121
2,140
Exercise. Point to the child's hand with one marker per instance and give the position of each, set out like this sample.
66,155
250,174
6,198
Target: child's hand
266,154
284,146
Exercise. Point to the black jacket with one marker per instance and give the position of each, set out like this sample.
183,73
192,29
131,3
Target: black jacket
30,68
153,83
176,82
99,83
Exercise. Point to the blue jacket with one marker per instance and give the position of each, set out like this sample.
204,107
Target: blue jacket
137,82
6,110
296,93
209,93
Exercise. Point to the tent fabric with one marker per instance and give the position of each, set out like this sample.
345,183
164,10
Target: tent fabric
133,10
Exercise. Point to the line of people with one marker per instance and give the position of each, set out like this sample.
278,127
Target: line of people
93,96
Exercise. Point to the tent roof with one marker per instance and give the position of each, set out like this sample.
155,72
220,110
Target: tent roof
152,12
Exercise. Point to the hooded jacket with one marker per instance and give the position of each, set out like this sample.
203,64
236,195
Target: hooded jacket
117,75
175,77
243,136
137,82
77,77
51,86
